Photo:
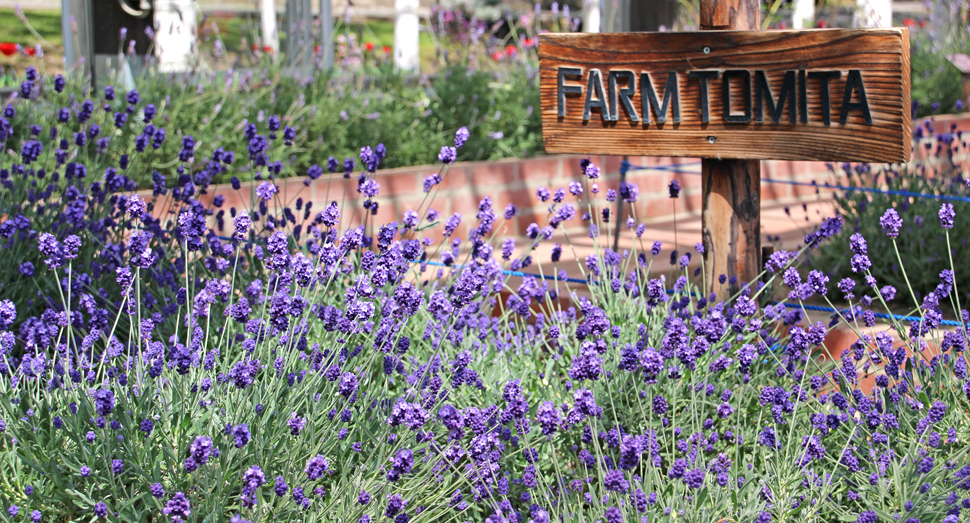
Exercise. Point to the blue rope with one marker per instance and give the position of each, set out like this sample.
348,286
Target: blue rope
881,315
817,308
516,273
550,277
849,188
625,167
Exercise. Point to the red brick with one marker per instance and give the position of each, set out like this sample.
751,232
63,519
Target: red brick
523,220
385,214
692,203
402,182
456,177
611,164
651,182
484,174
770,192
542,171
654,208
465,204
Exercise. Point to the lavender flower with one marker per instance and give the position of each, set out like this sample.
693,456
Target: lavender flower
674,189
447,154
266,190
946,215
296,424
178,508
891,222
461,136
316,467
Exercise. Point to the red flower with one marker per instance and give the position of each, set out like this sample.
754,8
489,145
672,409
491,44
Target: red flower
529,42
821,24
267,49
909,22
387,49
8,48
510,50
31,51
316,49
497,56
369,47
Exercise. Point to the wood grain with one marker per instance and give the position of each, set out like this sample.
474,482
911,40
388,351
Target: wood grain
731,211
882,55
731,223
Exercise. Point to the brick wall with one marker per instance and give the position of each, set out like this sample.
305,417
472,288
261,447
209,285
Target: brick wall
516,180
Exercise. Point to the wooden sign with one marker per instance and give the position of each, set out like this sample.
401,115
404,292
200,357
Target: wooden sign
828,95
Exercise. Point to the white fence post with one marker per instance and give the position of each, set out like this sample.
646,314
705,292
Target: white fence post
175,38
873,13
591,17
803,14
268,30
406,27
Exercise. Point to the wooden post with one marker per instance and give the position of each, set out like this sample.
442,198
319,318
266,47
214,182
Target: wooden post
619,220
299,35
731,218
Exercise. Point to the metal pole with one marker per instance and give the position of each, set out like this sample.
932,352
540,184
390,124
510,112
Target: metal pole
326,32
624,167
76,30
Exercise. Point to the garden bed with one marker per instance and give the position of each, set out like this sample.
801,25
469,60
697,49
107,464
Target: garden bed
516,181
279,362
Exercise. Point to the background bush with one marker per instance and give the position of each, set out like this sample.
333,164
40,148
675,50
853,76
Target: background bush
924,246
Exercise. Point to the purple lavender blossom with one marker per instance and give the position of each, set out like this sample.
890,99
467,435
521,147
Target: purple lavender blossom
266,190
674,189
891,222
461,136
946,215
178,508
447,154
316,467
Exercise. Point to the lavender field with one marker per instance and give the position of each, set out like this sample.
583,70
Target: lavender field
167,358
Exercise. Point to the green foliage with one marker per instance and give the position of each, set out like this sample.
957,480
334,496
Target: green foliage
934,79
335,116
502,116
922,244
47,23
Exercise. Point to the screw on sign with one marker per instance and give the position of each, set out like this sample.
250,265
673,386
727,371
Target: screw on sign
731,95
